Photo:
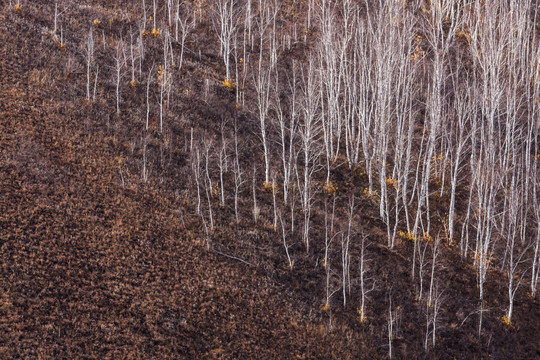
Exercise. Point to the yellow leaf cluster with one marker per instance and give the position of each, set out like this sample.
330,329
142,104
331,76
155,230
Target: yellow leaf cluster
161,72
362,318
392,182
407,236
437,158
369,193
428,237
418,54
506,321
330,188
229,84
156,33
270,186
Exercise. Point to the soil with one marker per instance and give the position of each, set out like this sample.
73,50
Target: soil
99,264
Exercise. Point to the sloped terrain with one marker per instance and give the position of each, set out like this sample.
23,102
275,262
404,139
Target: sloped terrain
94,270
98,262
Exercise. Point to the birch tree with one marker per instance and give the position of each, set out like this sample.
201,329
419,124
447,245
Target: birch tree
89,58
286,109
226,15
120,62
185,22
262,83
309,130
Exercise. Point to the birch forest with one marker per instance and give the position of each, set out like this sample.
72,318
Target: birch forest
270,179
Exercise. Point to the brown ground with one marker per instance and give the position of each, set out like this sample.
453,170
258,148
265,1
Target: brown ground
92,269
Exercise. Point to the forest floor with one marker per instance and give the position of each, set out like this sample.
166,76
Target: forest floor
96,264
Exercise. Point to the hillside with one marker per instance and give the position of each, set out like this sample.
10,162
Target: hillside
205,179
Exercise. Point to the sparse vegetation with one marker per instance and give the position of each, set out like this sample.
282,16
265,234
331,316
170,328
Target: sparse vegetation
269,179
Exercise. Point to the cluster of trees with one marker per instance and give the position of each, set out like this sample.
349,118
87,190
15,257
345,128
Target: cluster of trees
435,103
434,100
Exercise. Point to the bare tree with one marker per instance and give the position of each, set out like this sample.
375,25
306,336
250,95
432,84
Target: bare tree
256,210
421,248
208,188
222,163
535,269
336,34
120,62
226,15
148,82
286,247
262,84
196,170
285,105
440,41
460,133
164,78
89,58
238,173
435,253
144,14
432,314
309,130
145,170
345,256
186,20
401,135
95,83
328,227
154,17
489,46
393,322
136,50
365,287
